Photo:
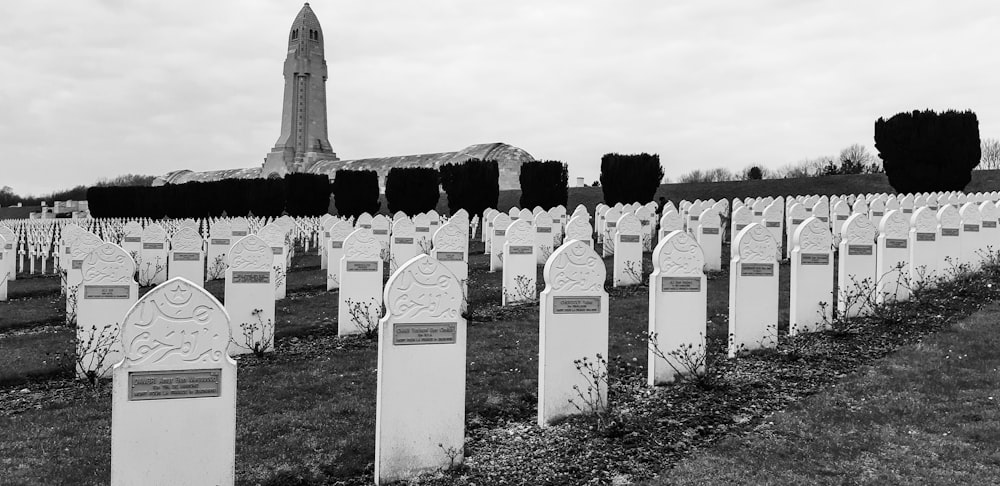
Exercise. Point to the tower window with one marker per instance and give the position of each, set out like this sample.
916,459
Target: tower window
295,34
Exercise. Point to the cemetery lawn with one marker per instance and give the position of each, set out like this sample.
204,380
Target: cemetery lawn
305,415
929,414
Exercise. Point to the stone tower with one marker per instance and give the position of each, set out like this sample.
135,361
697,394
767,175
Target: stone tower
303,138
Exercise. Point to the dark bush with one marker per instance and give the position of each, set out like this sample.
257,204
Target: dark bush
412,190
923,151
235,197
473,185
630,178
544,183
307,194
356,192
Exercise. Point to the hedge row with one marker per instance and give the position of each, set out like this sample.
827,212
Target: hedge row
473,185
923,151
296,195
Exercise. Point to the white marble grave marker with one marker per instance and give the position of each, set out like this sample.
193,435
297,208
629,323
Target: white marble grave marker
627,255
500,223
451,248
360,298
678,306
811,290
334,251
220,239
519,269
892,252
250,296
173,416
420,404
403,245
186,256
152,262
107,291
856,278
753,290
572,325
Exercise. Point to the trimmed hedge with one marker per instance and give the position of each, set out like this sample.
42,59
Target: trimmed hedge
297,194
544,184
412,190
923,151
630,178
473,185
356,192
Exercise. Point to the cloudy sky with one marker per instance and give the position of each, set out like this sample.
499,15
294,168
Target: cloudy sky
98,88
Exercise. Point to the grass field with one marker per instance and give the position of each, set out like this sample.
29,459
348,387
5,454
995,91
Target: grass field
305,415
929,414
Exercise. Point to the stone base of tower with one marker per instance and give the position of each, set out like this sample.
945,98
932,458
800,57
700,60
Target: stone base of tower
281,162
277,163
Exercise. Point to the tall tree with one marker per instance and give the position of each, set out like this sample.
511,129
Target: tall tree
923,151
630,178
990,158
544,183
473,185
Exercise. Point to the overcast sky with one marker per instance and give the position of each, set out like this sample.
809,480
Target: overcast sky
93,89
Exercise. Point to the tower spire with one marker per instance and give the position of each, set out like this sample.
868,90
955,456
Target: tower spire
303,139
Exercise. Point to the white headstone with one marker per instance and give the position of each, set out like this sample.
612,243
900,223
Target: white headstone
220,239
709,235
275,237
420,404
500,224
186,256
334,251
403,245
811,289
173,418
856,279
627,240
250,296
519,269
949,239
360,298
753,290
573,325
107,291
972,241
152,262
451,248
892,255
677,309
544,239
774,222
579,229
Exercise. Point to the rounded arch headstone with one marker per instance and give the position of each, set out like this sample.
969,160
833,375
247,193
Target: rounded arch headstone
971,238
627,260
579,228
152,261
335,250
107,291
544,237
176,383
500,223
186,257
709,236
949,238
360,297
519,269
892,255
276,237
753,290
811,294
420,399
403,244
856,265
250,295
573,324
677,307
451,248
